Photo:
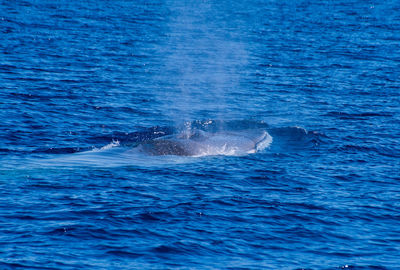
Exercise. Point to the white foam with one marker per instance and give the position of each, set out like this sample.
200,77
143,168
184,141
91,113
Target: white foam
264,143
107,147
233,144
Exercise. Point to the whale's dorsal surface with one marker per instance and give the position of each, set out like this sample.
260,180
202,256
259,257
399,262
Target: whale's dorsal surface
163,147
202,143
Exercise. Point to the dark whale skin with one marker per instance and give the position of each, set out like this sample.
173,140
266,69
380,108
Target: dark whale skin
164,148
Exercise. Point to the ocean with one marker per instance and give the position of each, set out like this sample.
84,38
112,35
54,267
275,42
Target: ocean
205,134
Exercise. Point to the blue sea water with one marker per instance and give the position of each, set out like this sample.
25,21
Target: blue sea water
84,85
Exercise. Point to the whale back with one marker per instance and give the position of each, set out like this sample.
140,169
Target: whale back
202,143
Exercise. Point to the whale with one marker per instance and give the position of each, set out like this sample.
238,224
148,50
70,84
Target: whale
196,143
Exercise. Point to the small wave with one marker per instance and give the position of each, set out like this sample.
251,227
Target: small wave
357,116
380,150
266,142
287,139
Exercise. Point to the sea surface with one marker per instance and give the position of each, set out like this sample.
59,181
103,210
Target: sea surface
99,101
